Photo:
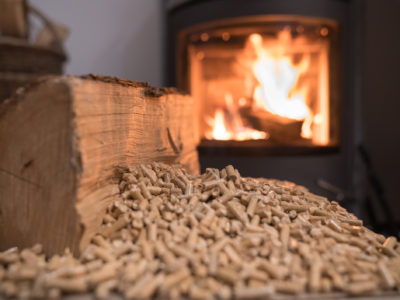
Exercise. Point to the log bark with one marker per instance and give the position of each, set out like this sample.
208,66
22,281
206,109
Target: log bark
61,139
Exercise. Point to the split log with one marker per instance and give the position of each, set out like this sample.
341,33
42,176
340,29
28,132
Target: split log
60,141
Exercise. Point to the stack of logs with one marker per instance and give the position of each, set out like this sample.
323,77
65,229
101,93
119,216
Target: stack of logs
174,235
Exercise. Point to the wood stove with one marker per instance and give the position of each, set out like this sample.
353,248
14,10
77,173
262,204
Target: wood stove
271,84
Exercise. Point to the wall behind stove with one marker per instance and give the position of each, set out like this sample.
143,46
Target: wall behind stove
119,37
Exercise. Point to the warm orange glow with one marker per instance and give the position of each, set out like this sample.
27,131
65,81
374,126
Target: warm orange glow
204,37
276,83
278,91
224,130
226,36
324,31
219,131
277,77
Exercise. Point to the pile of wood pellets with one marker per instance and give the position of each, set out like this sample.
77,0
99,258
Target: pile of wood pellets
173,235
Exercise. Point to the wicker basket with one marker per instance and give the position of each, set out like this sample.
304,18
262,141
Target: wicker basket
20,61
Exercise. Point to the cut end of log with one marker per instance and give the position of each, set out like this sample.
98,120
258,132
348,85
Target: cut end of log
63,138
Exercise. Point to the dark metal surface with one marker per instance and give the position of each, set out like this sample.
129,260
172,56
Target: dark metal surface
261,148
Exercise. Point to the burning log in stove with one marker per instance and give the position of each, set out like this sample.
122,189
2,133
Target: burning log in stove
280,129
268,78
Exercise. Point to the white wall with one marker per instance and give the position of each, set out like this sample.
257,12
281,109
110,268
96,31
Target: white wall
111,37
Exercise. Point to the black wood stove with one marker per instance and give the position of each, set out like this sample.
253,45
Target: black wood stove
275,84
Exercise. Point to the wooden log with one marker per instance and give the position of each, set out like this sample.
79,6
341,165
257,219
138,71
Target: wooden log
280,129
60,141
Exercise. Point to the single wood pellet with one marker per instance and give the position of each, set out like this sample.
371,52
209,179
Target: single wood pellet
173,235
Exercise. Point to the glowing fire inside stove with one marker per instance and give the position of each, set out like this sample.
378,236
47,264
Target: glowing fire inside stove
228,125
272,85
219,130
278,76
288,77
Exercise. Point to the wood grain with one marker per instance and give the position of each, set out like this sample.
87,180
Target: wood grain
60,142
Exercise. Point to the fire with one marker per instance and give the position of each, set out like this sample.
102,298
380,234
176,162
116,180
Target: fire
286,87
277,77
219,131
229,126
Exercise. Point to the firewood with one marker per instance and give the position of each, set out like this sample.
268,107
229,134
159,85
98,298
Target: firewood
61,138
273,124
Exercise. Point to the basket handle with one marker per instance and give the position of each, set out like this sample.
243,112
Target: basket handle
50,25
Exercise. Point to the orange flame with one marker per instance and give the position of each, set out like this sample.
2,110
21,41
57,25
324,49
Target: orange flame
282,88
277,76
219,131
234,130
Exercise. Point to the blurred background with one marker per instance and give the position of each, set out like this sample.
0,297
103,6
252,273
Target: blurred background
129,39
122,38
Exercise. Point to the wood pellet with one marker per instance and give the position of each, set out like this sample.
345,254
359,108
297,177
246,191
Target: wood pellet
174,235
